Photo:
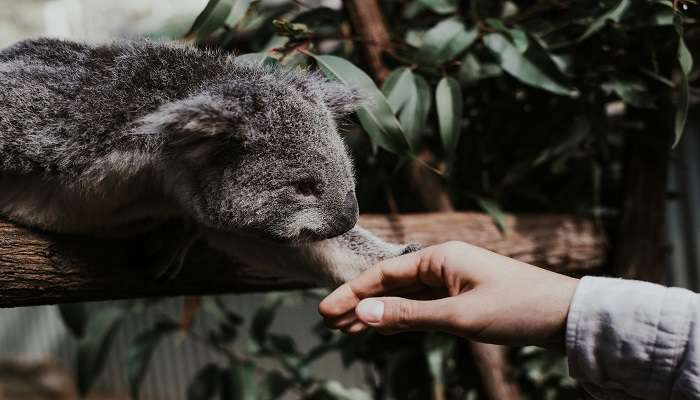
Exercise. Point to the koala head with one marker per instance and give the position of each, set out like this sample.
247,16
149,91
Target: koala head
259,152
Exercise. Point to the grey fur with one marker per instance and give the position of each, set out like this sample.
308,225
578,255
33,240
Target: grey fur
105,129
117,138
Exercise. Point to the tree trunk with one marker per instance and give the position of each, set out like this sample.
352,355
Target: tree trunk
39,268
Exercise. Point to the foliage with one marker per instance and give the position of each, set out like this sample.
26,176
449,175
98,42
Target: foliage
525,106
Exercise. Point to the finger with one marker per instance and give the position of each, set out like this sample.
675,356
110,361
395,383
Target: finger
356,327
388,275
341,321
396,314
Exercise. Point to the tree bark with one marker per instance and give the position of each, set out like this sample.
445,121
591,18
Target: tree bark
39,268
368,23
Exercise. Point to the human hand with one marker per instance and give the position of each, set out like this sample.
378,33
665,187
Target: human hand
456,288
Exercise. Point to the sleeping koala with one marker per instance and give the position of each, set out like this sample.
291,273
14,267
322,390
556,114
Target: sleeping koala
125,138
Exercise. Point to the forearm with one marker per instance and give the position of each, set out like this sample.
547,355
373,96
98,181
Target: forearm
636,340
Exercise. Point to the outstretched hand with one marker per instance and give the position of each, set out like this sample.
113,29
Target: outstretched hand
456,288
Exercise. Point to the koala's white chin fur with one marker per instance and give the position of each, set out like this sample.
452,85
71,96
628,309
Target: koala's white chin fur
328,262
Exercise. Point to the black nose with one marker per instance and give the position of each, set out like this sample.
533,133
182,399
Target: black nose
351,208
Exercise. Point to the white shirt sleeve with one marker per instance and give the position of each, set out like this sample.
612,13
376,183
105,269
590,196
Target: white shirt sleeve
634,340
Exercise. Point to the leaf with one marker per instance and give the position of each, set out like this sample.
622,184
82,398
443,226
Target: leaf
263,318
472,70
205,384
633,92
494,211
376,116
238,381
238,11
519,37
211,18
397,88
74,317
256,59
441,6
445,41
437,351
93,347
336,390
401,90
141,350
685,60
523,69
274,386
599,23
448,100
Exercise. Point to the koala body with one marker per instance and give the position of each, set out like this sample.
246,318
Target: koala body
104,138
115,139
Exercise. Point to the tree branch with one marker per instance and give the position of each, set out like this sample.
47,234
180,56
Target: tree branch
39,268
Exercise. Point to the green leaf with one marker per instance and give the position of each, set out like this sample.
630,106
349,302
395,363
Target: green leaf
274,386
213,17
238,11
336,390
445,41
599,23
472,70
401,90
522,68
238,381
256,59
448,100
141,350
633,92
74,317
494,211
685,60
263,318
376,117
441,6
93,347
518,36
205,385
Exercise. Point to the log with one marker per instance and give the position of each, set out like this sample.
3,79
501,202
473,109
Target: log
40,268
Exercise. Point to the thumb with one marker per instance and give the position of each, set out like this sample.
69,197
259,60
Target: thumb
397,314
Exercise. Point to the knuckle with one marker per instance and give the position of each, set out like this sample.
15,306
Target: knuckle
405,314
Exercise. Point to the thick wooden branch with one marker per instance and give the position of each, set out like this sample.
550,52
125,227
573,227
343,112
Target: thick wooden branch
38,268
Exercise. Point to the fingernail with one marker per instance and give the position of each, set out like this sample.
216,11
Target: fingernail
370,310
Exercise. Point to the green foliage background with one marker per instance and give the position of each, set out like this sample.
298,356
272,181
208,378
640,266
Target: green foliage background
526,105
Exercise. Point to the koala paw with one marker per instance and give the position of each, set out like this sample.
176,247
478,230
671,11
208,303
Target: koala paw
410,248
166,249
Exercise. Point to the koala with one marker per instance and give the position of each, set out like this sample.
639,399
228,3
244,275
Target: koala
166,140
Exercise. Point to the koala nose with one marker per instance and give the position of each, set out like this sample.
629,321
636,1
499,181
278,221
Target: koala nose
351,208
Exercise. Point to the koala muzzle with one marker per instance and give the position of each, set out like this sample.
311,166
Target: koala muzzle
347,215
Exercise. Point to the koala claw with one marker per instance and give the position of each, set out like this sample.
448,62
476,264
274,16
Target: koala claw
167,248
411,248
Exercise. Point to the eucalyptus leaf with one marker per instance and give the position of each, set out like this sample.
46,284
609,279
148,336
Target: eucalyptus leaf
520,67
141,351
494,211
438,348
74,317
472,70
274,386
448,101
633,92
441,6
205,384
213,17
94,346
397,88
339,392
263,318
613,15
445,41
238,11
376,116
685,60
238,381
401,91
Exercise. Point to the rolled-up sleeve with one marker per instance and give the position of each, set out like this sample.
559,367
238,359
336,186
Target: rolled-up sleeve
634,340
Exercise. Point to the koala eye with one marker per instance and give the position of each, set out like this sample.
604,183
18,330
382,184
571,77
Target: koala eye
307,187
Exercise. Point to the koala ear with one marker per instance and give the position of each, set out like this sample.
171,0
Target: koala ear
341,99
198,127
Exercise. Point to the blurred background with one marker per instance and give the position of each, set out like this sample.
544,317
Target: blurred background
564,108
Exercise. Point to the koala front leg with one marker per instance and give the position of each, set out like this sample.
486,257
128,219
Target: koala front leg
167,247
328,262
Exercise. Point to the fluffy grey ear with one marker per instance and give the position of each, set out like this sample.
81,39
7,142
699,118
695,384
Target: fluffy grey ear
199,126
341,99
